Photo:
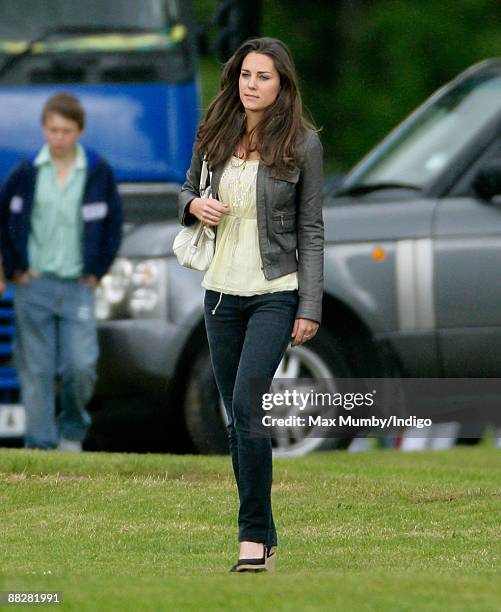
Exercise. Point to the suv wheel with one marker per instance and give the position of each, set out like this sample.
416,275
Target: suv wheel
321,359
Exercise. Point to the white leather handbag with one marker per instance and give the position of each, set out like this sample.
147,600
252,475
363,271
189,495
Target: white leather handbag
194,245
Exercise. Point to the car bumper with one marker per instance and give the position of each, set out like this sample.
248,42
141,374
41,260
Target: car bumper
136,357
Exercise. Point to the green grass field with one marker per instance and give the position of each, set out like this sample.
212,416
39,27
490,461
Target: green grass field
381,530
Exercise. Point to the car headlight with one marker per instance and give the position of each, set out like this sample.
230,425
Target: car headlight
133,289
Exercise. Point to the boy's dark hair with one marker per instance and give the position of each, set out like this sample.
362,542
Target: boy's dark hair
66,105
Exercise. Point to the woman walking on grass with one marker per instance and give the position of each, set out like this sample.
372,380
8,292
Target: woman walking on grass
264,285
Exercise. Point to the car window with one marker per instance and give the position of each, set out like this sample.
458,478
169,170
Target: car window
464,186
44,16
418,152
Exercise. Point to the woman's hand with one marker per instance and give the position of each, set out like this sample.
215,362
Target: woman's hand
303,330
208,211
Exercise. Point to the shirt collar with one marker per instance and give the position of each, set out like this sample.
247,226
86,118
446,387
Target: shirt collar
44,157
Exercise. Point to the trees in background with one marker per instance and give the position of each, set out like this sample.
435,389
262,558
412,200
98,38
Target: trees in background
365,64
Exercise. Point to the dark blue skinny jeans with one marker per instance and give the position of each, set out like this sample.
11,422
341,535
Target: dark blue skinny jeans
248,337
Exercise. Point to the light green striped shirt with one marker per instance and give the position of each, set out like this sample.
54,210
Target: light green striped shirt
55,240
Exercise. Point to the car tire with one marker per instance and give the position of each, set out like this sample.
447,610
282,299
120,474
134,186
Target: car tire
202,411
322,357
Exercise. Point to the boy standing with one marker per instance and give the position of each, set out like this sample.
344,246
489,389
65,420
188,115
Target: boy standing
60,229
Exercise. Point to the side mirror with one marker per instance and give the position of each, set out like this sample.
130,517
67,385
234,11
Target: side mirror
487,181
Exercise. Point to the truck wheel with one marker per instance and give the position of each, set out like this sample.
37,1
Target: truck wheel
323,358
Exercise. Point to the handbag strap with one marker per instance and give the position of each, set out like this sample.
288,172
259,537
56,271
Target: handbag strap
203,190
203,177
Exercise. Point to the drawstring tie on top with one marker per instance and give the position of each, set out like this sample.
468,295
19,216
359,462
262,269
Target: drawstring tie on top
218,302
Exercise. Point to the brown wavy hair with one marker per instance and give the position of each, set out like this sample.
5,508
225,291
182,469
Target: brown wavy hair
283,126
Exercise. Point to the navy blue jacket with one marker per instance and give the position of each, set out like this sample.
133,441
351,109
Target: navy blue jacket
101,213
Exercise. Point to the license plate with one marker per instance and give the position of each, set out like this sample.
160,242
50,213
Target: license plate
12,421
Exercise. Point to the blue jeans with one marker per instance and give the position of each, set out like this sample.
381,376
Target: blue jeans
248,337
55,334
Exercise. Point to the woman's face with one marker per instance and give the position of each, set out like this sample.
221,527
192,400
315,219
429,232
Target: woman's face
259,82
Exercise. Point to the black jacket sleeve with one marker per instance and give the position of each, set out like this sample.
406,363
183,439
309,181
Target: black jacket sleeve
7,191
112,235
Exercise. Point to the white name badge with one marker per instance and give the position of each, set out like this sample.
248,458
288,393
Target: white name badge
94,211
16,204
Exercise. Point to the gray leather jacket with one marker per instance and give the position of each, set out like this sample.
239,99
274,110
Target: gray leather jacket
289,220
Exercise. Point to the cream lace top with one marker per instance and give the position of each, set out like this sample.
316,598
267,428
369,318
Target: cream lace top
236,265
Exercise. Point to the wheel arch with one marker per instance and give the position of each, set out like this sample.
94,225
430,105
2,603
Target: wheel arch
366,356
